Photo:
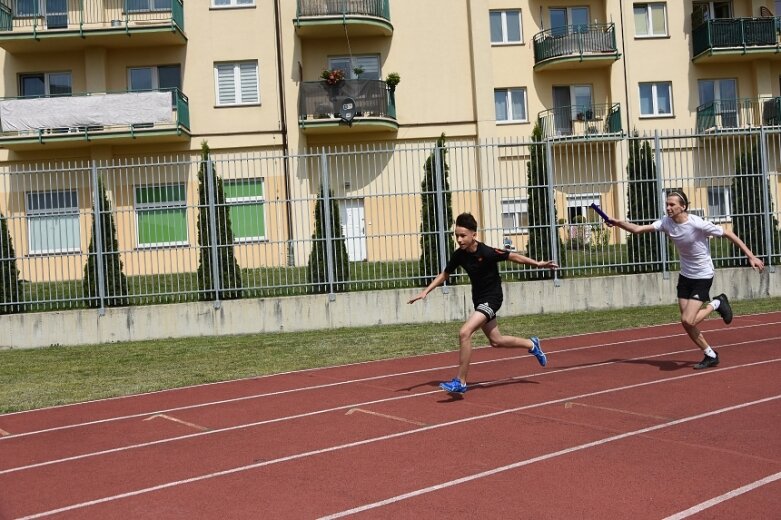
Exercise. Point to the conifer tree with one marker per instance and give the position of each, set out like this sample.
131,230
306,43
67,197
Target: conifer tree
430,234
9,274
228,267
318,260
643,201
539,247
114,278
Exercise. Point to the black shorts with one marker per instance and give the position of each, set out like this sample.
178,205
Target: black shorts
488,309
694,288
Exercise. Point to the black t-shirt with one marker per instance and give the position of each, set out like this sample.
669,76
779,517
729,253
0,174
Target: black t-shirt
483,271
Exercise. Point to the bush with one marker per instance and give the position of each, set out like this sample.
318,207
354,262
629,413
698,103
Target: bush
643,201
539,215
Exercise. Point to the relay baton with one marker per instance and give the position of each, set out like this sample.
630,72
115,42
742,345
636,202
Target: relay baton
601,214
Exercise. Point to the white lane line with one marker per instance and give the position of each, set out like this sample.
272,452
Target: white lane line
353,405
723,498
360,380
547,456
396,435
3,433
617,410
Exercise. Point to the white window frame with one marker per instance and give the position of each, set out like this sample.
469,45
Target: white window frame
61,220
241,97
510,117
148,206
46,81
723,192
253,200
505,38
365,61
655,99
230,4
649,19
515,209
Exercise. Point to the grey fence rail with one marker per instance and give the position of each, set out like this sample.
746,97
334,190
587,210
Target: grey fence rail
175,229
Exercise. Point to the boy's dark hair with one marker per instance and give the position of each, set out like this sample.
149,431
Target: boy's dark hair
681,196
466,220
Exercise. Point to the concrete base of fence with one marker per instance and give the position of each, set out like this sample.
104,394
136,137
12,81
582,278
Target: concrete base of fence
359,309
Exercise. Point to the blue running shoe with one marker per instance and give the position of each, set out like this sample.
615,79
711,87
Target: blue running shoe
453,386
536,350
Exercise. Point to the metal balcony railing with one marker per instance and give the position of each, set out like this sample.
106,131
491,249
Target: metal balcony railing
725,33
39,16
378,8
93,113
373,98
575,40
725,114
581,120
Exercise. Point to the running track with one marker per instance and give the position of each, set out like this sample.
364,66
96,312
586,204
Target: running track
618,425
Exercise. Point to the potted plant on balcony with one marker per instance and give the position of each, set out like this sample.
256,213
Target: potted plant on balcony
333,77
392,80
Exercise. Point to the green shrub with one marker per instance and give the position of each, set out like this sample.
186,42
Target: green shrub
318,260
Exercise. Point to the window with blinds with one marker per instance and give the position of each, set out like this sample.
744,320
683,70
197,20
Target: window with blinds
237,83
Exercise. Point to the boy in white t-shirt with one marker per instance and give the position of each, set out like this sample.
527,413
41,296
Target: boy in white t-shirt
690,235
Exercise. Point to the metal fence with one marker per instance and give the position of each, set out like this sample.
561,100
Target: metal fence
174,229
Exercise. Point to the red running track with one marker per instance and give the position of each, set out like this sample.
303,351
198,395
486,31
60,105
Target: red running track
618,424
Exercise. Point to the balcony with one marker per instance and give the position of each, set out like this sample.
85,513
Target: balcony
319,105
731,39
595,121
576,46
56,25
736,114
330,18
87,119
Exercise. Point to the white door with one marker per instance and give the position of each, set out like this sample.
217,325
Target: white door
351,215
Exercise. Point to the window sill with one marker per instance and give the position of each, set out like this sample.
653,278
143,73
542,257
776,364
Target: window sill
238,105
165,245
513,122
652,37
659,116
508,44
250,240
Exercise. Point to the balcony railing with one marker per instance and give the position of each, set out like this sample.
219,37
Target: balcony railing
37,17
732,33
378,8
575,41
320,101
726,114
581,120
94,114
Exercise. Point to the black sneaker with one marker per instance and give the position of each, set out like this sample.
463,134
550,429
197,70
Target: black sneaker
724,308
707,362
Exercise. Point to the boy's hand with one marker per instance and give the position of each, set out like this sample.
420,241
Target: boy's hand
756,263
419,296
549,264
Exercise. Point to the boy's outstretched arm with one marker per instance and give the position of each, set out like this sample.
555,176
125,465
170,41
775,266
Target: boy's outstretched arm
755,262
632,228
520,259
439,280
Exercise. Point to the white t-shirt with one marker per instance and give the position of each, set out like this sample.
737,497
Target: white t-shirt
691,239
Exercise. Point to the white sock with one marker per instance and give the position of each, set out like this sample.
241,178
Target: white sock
710,352
715,304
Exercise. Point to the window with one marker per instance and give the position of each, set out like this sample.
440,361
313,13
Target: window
161,215
53,222
568,20
134,6
656,99
232,3
515,215
722,96
719,203
163,77
236,83
27,8
369,65
650,19
45,84
505,27
510,105
246,202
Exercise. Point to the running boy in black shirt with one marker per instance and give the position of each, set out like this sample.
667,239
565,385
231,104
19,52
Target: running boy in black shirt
480,262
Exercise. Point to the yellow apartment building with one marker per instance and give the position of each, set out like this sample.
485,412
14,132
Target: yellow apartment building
125,84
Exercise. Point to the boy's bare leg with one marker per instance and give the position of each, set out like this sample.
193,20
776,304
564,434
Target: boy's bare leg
491,331
692,313
474,322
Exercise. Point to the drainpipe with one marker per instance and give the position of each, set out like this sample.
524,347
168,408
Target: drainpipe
283,130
